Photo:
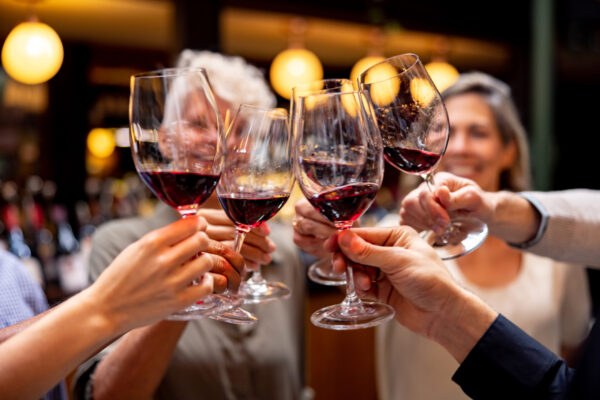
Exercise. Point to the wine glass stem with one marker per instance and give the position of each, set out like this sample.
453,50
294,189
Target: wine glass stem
428,177
351,302
184,214
443,238
239,240
237,246
256,278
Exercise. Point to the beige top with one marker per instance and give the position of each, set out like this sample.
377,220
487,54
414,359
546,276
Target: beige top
215,360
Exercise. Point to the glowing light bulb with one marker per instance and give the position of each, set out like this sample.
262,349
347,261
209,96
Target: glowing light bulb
101,142
32,53
442,74
293,67
362,65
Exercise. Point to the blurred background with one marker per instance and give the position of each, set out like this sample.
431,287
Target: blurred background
65,165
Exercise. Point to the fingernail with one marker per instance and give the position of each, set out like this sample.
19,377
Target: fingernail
272,246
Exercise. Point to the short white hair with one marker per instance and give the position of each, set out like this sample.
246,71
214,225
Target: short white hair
231,77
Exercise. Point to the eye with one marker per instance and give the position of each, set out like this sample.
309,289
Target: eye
478,133
198,124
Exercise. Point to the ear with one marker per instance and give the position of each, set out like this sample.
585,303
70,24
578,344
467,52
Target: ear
509,154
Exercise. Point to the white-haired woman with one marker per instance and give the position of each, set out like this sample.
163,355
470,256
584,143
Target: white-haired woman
207,359
549,300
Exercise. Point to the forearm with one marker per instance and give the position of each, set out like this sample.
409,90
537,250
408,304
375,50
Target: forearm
462,323
514,219
10,331
135,367
41,355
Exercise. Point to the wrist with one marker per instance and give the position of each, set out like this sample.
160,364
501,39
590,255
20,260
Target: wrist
461,323
513,217
99,314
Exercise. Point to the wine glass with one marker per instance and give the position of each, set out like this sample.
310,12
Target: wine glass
414,127
177,144
257,181
339,168
321,271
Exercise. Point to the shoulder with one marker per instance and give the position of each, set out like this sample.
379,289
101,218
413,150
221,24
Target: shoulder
120,233
113,237
12,270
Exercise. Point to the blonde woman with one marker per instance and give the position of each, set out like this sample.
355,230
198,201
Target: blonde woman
549,300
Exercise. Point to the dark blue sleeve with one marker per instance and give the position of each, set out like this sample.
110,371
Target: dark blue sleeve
507,363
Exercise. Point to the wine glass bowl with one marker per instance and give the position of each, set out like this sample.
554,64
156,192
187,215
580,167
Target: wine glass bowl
177,145
339,168
413,122
256,183
321,271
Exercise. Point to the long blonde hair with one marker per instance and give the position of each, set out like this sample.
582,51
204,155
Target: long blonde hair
497,96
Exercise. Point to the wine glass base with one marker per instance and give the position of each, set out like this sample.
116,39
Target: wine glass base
465,235
322,272
263,292
214,303
340,317
236,316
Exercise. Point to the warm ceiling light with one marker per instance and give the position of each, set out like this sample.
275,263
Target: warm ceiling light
384,83
294,67
422,91
362,65
32,53
101,142
442,74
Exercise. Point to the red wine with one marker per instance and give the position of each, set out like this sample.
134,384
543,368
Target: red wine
410,160
345,204
249,210
180,189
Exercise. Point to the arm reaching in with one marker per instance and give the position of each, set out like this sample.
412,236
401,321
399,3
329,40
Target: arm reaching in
147,281
134,368
417,285
508,215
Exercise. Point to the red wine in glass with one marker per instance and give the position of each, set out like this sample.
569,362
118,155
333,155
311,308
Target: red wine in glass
250,210
410,160
345,204
180,190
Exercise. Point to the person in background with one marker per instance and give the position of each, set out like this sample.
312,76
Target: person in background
549,300
497,359
149,280
21,298
208,359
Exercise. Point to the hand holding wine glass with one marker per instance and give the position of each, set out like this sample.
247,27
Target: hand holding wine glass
414,126
256,183
339,168
177,145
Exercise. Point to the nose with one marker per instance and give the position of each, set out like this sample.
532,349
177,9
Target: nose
458,143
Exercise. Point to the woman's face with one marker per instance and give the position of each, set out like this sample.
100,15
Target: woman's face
475,149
